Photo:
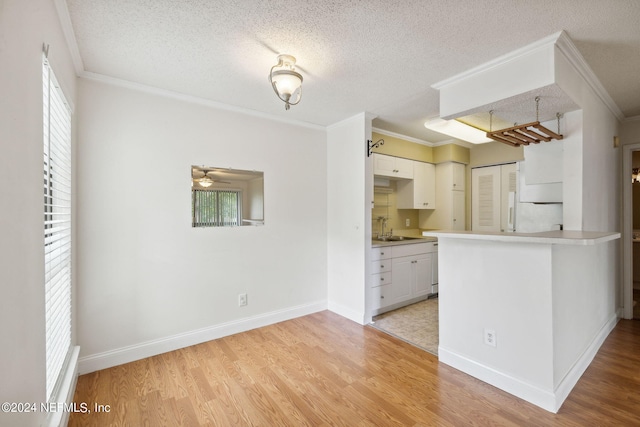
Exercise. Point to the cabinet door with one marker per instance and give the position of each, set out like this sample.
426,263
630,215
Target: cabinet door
404,168
428,186
402,278
419,193
458,176
458,210
384,165
393,167
423,277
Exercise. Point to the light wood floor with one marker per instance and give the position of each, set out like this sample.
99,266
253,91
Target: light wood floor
324,370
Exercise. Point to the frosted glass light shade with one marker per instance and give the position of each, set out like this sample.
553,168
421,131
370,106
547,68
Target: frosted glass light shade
458,130
285,81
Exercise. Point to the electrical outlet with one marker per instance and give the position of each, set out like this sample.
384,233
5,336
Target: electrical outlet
407,222
242,300
490,338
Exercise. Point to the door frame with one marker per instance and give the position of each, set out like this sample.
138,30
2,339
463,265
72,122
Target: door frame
627,230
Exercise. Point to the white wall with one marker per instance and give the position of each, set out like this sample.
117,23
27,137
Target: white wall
348,224
24,27
630,131
599,180
148,282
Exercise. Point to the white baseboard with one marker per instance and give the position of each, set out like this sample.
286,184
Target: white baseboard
108,359
569,381
533,394
550,400
350,314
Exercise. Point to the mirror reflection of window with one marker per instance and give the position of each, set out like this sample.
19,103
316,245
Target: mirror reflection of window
223,197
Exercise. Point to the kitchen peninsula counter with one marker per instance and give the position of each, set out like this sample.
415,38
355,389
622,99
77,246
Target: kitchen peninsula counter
526,312
565,237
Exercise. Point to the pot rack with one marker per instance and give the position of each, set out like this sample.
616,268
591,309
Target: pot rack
529,133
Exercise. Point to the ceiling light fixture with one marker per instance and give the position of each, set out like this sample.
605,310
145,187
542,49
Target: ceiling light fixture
457,130
205,181
286,82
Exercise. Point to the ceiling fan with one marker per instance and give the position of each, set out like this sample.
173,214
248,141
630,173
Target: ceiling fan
205,180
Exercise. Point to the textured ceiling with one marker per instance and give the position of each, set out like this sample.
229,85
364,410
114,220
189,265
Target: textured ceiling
376,56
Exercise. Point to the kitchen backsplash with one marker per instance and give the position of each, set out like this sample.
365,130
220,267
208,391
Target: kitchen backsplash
385,206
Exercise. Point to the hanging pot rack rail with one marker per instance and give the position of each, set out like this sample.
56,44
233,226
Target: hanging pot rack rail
529,133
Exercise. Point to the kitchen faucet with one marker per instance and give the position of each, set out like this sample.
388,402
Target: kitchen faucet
383,222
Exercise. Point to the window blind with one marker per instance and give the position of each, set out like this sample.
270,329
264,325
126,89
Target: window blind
216,208
57,226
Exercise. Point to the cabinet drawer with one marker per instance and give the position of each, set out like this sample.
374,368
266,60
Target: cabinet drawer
381,297
412,249
381,279
380,266
380,253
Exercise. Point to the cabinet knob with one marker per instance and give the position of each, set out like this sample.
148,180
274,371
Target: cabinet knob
381,253
382,279
381,266
381,296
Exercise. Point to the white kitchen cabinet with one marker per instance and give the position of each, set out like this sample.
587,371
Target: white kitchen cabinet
419,193
457,171
402,274
450,213
381,297
458,212
392,167
403,278
411,271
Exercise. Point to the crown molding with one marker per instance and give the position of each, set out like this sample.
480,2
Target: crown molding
566,46
459,142
632,119
69,35
400,136
453,141
139,87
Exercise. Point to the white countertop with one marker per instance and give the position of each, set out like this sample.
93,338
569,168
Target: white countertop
549,237
377,243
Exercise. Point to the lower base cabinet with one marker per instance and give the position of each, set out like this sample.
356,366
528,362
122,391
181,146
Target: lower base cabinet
402,275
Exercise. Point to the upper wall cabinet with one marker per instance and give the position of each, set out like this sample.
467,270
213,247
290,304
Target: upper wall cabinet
459,176
451,176
420,192
392,167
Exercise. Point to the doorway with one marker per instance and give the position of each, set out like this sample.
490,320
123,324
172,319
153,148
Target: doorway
631,233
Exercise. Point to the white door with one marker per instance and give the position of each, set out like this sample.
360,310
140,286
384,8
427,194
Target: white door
485,198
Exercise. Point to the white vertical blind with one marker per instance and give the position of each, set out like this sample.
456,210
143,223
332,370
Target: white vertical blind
57,225
216,208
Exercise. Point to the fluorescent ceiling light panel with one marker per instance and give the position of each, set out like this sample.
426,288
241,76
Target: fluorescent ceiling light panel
458,130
